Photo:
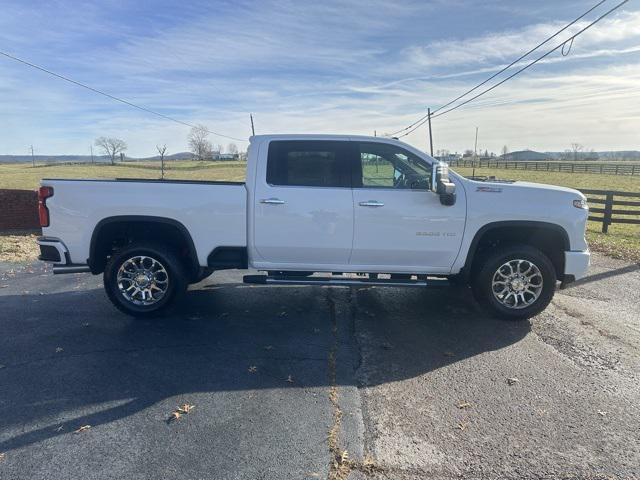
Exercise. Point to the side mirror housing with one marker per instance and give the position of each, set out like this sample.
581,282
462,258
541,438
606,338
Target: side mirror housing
442,185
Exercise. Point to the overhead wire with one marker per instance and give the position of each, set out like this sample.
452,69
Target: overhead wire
521,57
569,41
113,97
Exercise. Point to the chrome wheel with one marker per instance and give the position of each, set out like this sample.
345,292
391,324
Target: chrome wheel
142,280
517,284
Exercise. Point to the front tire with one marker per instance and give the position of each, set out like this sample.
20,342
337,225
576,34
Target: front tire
142,280
515,283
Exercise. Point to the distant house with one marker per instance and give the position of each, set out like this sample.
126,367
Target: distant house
448,158
224,156
525,156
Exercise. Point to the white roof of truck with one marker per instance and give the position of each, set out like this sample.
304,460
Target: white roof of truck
304,136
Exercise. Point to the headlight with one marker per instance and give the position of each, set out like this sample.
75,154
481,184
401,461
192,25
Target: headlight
581,203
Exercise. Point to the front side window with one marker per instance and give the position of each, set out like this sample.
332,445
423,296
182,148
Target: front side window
308,163
389,166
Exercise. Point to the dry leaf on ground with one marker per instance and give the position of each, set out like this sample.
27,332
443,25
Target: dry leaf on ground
83,428
512,381
290,379
185,408
462,405
461,426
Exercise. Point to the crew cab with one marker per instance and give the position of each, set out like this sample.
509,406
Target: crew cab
320,210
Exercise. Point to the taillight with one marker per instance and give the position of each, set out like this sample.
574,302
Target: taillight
43,211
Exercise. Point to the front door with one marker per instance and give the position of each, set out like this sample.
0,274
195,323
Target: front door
400,225
303,212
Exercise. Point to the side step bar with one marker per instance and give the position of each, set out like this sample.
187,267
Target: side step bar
344,282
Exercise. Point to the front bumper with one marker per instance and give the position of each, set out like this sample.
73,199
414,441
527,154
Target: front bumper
576,265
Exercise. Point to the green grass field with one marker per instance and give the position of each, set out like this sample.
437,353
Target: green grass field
28,177
623,241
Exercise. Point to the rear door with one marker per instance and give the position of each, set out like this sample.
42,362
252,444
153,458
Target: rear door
400,225
303,205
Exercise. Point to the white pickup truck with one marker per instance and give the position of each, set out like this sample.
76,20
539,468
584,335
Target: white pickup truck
320,210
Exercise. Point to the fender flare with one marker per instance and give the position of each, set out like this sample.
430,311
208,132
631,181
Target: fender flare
137,219
473,246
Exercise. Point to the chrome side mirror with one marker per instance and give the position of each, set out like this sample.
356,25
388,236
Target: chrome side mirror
442,185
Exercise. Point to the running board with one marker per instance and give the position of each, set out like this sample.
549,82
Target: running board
344,282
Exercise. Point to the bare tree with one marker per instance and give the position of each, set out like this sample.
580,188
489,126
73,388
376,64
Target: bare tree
111,147
198,143
576,148
162,149
232,148
505,152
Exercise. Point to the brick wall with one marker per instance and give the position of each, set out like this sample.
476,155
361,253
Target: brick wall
18,209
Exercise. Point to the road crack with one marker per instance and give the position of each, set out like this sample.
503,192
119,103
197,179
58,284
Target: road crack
341,465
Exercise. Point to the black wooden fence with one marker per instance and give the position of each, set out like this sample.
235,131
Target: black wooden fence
565,167
607,204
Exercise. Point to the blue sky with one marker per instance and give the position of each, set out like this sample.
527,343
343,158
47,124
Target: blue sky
316,67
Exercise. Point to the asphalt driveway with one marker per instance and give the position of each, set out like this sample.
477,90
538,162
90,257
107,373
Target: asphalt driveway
312,382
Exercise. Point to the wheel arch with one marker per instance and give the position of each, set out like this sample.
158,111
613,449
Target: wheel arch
108,229
551,238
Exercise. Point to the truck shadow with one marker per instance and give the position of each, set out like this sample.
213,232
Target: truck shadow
70,359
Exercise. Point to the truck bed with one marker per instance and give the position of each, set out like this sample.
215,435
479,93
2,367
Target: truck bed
214,213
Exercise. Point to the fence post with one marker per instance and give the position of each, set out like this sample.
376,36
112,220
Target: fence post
608,206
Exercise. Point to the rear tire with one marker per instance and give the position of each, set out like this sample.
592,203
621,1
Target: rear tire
514,283
143,280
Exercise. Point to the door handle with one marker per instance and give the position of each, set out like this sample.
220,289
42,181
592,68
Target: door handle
272,201
371,203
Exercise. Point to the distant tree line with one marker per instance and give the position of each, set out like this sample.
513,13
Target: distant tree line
199,146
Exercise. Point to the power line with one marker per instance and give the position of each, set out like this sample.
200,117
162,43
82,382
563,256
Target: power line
144,109
570,39
505,68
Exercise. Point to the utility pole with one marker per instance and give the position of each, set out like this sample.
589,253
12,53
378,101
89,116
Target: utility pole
91,147
430,135
375,133
253,131
475,154
33,159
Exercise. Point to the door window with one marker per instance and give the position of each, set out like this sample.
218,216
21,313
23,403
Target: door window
389,166
308,163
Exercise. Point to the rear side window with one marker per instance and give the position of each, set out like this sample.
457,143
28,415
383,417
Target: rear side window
308,164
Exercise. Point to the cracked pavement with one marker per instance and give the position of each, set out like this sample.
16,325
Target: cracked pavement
285,380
